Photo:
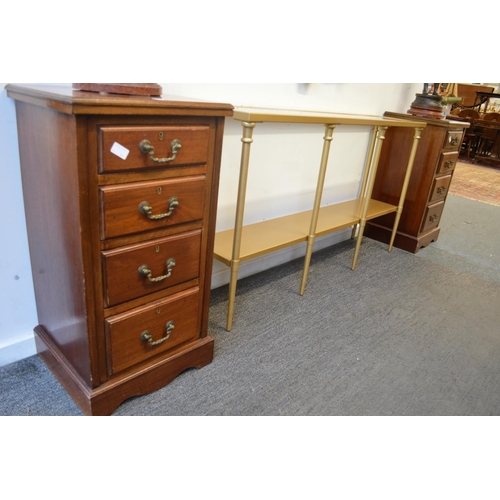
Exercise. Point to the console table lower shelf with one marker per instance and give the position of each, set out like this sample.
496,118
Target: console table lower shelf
271,235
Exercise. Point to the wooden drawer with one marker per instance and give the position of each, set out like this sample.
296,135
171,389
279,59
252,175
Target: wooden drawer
120,147
132,208
440,188
432,216
447,163
168,323
125,268
452,139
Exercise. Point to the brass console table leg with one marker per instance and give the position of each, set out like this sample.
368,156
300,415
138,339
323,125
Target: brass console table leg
406,182
317,203
366,170
238,223
367,194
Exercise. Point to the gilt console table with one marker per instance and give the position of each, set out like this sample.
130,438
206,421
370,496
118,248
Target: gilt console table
246,242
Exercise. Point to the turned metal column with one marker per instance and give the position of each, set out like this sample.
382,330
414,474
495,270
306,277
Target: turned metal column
238,223
317,203
368,189
406,182
366,171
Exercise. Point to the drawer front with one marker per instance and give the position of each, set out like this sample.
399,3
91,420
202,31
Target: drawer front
440,188
137,270
142,333
452,139
432,216
141,206
132,148
447,163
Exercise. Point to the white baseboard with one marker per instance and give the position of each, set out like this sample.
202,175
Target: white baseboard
220,274
17,351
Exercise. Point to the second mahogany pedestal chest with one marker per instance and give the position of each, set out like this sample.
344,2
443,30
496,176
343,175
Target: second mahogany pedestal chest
435,161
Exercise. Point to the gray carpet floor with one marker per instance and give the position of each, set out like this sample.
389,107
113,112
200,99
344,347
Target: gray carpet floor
404,334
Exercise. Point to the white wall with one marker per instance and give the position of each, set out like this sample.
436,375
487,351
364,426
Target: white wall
17,301
282,180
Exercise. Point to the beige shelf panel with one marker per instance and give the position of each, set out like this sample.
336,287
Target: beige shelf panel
270,235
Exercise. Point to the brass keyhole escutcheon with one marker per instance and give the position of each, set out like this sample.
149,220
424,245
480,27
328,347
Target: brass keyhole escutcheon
158,311
157,248
158,190
160,136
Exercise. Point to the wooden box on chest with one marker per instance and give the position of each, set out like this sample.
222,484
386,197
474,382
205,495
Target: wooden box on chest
435,161
120,198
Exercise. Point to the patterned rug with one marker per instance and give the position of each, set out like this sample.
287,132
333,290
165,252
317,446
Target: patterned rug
481,161
476,182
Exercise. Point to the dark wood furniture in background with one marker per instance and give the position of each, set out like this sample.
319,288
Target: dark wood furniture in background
432,172
120,197
483,138
483,99
468,93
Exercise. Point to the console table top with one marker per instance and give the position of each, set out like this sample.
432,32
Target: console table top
251,114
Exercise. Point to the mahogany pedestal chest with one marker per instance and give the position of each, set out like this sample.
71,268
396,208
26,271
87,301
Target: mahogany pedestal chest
120,196
435,161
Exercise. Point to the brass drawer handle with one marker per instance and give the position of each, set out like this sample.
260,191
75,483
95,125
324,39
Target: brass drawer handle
441,190
146,209
146,272
147,337
146,147
449,164
433,218
454,140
